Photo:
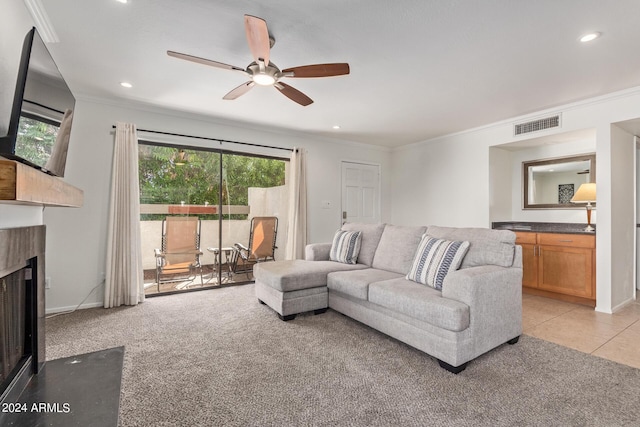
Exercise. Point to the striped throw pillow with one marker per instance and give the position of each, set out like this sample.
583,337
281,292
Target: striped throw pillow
345,247
434,259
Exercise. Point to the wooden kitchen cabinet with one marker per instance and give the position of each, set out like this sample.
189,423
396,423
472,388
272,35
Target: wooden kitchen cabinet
560,266
528,241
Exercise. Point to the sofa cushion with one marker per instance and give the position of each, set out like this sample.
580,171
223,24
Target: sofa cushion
420,302
397,247
486,246
434,259
345,247
356,282
286,276
370,238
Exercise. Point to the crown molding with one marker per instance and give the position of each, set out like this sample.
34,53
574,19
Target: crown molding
42,21
621,94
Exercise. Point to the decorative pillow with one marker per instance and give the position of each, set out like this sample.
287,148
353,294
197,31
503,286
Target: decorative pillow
345,247
434,259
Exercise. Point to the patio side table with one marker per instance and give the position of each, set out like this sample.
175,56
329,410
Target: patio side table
218,264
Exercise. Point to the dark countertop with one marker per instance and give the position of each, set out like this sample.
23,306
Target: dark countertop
543,227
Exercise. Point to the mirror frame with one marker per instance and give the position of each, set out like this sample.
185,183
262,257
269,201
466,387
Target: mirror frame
525,179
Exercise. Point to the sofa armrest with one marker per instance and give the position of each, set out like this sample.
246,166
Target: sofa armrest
469,284
317,252
482,284
494,297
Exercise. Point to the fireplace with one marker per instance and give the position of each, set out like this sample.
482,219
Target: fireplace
22,346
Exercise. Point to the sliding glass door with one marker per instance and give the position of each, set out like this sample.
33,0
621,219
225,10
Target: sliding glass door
208,215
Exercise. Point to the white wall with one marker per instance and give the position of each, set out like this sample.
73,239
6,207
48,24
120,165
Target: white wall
501,185
19,216
446,181
443,182
637,189
623,151
76,246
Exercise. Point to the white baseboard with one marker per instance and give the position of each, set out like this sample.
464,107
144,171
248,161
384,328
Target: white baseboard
73,307
622,305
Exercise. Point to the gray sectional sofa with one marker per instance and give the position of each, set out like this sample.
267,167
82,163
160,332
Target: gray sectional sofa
478,308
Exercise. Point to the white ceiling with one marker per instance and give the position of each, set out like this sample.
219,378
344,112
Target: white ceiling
419,68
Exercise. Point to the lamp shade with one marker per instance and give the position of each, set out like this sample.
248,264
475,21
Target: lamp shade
586,193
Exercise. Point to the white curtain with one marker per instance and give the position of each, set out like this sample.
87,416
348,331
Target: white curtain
124,277
297,226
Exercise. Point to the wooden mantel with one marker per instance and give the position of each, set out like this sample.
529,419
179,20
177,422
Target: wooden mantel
24,185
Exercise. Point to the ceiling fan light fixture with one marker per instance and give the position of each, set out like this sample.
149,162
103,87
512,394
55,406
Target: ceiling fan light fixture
262,71
263,79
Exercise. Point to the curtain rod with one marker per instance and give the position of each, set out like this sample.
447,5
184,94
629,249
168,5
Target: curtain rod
212,139
44,106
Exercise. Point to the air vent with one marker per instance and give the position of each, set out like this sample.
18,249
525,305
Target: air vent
537,125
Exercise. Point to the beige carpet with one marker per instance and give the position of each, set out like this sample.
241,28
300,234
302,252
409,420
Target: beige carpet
219,358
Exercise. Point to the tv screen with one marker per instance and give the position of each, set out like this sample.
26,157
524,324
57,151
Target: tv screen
42,111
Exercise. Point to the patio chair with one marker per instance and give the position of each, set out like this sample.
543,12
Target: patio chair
261,248
180,252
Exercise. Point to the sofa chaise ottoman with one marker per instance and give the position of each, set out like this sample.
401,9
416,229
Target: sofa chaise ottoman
298,286
473,307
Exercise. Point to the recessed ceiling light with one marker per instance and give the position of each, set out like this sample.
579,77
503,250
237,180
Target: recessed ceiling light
126,84
336,127
123,1
589,37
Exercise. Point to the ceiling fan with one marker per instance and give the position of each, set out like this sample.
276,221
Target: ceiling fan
265,73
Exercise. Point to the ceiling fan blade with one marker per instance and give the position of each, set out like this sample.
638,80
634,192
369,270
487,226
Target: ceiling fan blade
239,91
258,38
318,70
204,61
293,94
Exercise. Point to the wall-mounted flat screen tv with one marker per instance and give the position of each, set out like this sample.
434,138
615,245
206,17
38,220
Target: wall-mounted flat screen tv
42,111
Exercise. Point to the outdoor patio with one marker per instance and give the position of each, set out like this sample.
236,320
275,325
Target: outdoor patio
262,202
209,275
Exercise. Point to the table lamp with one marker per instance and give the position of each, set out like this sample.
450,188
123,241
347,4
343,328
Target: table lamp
586,193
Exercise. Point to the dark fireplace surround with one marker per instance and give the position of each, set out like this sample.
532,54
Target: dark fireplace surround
21,264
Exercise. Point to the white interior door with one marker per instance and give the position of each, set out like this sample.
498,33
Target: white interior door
360,192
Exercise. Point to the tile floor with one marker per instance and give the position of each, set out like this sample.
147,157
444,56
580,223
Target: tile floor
611,336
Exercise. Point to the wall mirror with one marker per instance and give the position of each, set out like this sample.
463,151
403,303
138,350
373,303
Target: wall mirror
551,183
